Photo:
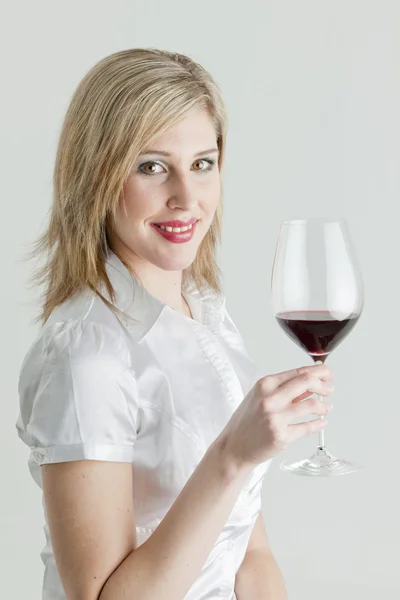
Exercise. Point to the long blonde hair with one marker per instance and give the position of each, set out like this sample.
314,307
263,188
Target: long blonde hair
125,101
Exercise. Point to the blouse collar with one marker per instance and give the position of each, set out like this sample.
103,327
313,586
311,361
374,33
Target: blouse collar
143,310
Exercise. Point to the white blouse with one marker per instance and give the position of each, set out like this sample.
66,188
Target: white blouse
154,389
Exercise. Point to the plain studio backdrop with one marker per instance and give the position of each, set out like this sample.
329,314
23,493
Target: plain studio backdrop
313,95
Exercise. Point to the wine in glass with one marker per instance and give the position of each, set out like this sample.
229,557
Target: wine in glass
317,298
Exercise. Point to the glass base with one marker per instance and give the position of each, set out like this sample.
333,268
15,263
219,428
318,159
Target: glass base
320,464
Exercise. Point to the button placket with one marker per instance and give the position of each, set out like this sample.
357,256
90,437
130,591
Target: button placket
207,337
221,363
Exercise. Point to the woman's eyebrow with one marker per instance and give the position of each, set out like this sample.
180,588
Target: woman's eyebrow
168,154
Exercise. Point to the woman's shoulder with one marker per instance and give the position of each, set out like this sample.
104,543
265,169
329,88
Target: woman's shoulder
86,306
81,328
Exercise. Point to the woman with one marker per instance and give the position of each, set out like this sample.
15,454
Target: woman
149,427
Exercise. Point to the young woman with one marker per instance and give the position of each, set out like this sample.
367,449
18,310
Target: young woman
149,425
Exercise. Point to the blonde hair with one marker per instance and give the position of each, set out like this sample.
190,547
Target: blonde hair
125,101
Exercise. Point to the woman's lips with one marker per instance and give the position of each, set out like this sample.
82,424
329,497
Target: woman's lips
174,236
178,223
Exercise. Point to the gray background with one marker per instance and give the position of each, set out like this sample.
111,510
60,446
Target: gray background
312,89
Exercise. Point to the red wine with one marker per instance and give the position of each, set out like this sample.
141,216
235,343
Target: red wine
317,332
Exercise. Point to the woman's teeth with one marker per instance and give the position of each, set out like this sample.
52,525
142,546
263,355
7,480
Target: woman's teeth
176,229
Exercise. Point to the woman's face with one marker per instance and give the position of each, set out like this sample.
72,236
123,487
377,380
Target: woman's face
176,179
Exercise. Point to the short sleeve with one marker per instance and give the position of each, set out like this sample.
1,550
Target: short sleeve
78,395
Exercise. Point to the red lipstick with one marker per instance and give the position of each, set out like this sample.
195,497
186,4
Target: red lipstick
177,223
174,236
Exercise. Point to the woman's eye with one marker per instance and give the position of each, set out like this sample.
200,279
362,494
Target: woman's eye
207,161
144,168
148,164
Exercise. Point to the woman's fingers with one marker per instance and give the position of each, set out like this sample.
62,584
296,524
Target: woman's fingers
282,398
301,397
301,430
311,406
273,382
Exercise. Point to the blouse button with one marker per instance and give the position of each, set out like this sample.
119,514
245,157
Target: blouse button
38,456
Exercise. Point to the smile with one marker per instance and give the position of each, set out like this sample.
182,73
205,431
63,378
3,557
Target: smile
176,229
176,235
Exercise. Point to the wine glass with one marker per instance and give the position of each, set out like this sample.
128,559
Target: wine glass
317,298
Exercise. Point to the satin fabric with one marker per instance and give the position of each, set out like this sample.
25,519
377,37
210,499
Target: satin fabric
153,388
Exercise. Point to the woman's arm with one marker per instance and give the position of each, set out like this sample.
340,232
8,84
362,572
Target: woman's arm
168,563
259,577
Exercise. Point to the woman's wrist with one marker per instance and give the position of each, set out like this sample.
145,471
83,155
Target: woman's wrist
231,467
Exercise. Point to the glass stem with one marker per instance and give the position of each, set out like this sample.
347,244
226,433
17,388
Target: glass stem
321,434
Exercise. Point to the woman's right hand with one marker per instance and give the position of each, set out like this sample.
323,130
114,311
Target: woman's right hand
261,426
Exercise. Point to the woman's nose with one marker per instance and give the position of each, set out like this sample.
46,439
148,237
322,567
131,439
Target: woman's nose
183,192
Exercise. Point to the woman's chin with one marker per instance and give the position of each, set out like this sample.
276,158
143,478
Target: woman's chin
174,264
